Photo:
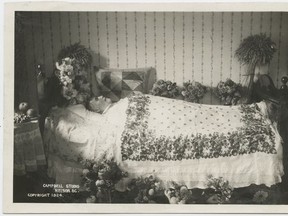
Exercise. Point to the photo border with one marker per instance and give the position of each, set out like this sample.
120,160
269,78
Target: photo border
8,205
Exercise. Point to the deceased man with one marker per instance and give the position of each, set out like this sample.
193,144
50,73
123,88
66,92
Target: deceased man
171,139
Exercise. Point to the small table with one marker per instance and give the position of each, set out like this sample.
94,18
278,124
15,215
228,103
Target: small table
28,148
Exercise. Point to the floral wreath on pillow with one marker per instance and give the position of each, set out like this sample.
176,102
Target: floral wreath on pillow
75,87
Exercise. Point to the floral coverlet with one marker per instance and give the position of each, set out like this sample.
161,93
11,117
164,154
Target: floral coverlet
158,130
171,139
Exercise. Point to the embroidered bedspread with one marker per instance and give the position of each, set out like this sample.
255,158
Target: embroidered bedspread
174,140
160,129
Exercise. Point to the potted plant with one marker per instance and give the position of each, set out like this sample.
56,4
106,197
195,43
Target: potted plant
255,52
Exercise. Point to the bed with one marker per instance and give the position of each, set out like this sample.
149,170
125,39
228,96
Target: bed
171,139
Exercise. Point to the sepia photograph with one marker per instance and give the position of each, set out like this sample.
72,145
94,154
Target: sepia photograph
136,106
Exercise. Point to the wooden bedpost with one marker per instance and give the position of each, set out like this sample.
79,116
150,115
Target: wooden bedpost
284,134
284,88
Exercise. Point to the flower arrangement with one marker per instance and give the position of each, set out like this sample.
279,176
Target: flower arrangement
228,91
146,189
178,194
165,89
256,49
73,79
99,179
221,189
73,63
193,91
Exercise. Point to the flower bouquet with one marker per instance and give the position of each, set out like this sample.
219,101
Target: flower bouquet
222,191
229,92
146,189
75,87
165,89
193,91
178,194
99,179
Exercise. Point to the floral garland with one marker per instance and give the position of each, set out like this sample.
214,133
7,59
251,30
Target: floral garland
140,143
75,87
99,179
193,91
228,92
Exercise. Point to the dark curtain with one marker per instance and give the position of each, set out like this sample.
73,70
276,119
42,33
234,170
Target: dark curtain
20,72
25,82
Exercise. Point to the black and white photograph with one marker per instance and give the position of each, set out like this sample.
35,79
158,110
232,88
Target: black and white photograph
176,108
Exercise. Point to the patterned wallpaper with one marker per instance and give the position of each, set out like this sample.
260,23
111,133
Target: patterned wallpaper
181,46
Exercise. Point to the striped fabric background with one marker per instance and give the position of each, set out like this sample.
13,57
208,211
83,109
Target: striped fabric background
181,46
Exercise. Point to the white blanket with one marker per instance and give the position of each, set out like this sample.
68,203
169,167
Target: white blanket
173,140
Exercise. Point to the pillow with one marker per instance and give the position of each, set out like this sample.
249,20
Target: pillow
119,83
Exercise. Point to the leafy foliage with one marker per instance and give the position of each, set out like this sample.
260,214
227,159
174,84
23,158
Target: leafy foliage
78,52
256,49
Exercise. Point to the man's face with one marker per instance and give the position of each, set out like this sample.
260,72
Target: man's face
99,104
